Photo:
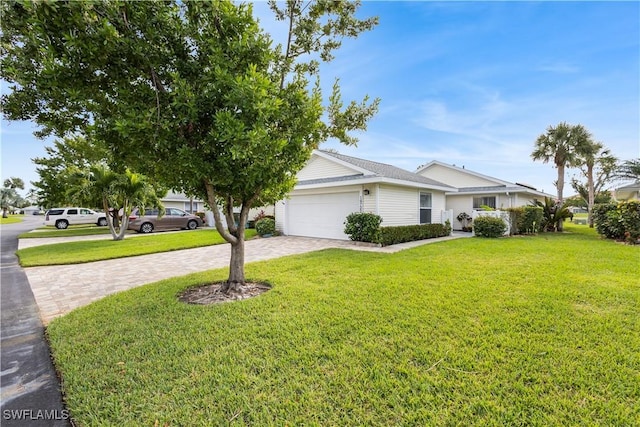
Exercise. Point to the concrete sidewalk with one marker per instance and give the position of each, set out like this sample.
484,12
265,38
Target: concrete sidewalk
60,289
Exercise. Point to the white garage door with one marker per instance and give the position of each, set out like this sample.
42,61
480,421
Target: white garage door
321,215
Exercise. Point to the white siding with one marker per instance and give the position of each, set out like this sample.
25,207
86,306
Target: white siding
370,201
455,178
398,205
319,167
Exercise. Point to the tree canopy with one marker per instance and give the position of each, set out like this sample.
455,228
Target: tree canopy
191,93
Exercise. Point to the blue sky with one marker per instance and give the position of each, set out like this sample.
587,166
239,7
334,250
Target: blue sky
471,83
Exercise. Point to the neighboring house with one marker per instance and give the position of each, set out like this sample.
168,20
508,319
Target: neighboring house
193,205
628,192
474,190
180,201
332,185
31,210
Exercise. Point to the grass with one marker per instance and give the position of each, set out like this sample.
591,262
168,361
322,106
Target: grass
72,231
98,250
540,331
12,219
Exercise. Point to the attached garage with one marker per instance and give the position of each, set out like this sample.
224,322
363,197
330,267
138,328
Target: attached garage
320,215
331,186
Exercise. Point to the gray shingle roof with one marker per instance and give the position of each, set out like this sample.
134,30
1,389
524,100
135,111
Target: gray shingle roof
497,188
384,170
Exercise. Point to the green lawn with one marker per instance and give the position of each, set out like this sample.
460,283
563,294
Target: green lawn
12,219
540,331
73,230
97,250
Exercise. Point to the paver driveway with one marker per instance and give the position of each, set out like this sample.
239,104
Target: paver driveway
62,288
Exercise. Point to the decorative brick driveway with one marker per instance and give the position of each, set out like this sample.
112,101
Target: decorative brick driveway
60,289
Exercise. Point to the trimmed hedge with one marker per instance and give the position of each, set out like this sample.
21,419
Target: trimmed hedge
410,233
618,221
486,226
362,226
526,219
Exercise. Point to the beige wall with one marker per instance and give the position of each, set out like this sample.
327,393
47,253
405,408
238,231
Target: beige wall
455,178
319,167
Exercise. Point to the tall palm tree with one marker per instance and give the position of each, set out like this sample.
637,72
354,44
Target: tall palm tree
559,144
588,152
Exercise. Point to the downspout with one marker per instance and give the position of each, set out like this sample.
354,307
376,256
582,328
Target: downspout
378,199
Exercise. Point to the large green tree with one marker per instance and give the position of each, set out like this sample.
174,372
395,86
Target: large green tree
63,159
190,93
560,144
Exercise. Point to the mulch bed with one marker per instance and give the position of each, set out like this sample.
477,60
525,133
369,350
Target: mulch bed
212,293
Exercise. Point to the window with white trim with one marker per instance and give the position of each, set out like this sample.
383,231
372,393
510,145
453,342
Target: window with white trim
425,208
478,202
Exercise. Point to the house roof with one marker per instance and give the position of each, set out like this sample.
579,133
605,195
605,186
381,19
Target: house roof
634,186
371,170
462,169
501,187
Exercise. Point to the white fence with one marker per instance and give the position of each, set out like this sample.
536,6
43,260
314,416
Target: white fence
447,216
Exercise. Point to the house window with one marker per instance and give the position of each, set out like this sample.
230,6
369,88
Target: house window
478,202
425,208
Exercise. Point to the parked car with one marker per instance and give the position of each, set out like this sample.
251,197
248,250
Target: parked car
62,218
173,218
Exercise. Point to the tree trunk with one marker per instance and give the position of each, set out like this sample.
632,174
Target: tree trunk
4,213
560,186
236,267
232,234
592,195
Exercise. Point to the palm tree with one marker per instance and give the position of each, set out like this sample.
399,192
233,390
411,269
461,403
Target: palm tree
629,169
99,185
589,154
9,195
559,144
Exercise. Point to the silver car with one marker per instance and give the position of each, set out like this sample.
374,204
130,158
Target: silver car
172,219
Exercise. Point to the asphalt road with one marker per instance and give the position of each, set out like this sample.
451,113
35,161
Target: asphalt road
29,389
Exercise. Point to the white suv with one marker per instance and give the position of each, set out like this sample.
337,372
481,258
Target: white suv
64,217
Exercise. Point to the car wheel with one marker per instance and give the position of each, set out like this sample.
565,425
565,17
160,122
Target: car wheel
102,222
147,227
61,224
192,224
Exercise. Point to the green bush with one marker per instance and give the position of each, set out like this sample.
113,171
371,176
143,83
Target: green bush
266,226
487,226
526,219
618,221
409,233
362,226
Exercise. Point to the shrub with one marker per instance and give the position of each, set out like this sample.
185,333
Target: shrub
526,219
486,226
363,226
409,233
618,221
266,226
553,214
